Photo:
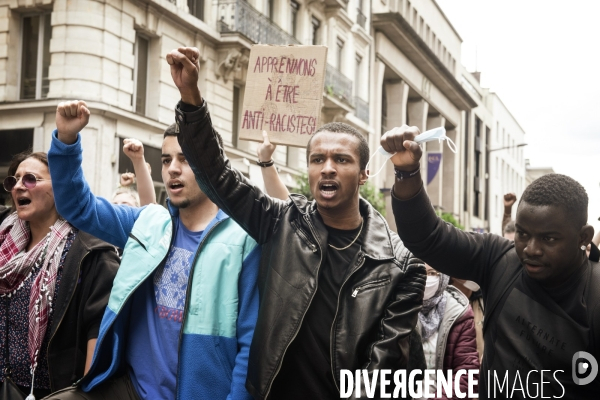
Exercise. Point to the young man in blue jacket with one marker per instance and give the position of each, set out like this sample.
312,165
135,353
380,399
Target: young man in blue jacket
184,303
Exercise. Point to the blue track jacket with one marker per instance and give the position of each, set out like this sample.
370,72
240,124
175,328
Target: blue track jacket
222,301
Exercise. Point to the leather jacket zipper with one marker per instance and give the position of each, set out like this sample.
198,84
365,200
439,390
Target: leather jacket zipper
361,261
370,285
307,218
303,236
63,317
187,302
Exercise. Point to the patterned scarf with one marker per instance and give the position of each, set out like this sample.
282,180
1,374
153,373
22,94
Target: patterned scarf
433,309
17,265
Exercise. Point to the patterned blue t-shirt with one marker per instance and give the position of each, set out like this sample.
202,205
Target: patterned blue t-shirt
156,316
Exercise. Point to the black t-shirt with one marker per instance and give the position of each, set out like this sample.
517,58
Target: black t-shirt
306,369
537,329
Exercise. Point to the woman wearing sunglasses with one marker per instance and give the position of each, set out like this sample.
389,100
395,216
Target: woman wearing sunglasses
54,285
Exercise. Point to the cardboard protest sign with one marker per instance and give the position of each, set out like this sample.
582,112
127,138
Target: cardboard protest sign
284,91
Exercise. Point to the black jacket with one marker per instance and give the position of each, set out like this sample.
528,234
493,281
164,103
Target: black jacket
371,330
88,272
523,320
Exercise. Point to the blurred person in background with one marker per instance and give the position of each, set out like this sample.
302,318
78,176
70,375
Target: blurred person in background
473,293
447,329
54,285
125,196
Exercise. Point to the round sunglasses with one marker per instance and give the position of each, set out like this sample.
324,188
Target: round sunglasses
29,181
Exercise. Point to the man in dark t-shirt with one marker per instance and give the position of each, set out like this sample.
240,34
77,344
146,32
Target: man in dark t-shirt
338,290
542,316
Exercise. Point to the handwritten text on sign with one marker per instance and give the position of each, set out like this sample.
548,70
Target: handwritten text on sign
284,90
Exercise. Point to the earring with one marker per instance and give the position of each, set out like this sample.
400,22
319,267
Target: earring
583,247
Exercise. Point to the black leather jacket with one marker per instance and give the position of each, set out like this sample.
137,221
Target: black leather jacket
88,273
378,302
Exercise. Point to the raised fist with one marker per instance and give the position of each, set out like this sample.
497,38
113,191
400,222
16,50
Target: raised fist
185,67
133,148
127,179
71,117
509,199
400,142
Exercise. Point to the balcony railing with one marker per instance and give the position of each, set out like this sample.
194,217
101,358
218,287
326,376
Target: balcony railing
361,109
361,19
239,16
337,85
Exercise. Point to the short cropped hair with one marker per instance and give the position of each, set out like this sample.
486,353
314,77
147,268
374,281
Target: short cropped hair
172,131
340,127
561,191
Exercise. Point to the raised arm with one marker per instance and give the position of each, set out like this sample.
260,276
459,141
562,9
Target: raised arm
72,195
134,149
254,211
509,200
273,184
448,249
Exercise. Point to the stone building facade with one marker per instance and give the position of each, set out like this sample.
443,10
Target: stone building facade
390,62
111,53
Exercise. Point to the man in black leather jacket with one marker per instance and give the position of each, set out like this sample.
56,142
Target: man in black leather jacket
338,289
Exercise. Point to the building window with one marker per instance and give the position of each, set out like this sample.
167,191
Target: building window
35,61
316,31
268,8
196,8
339,53
140,74
497,202
294,6
357,75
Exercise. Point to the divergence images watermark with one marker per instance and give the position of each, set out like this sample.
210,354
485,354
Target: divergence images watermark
396,384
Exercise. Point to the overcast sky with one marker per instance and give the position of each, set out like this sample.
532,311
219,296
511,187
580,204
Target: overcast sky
543,59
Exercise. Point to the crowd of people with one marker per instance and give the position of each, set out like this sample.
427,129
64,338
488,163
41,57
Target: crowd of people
232,292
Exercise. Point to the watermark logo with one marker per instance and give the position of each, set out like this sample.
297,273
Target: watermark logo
584,367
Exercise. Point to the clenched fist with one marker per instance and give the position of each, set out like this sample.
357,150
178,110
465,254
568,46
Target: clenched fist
400,142
509,199
71,117
134,149
185,66
127,179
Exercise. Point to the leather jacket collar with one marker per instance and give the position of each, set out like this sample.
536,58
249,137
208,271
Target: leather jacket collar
377,243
